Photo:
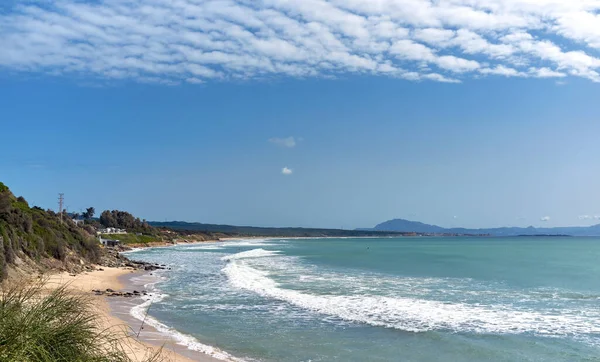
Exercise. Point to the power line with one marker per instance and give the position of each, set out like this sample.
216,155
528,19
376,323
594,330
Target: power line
61,200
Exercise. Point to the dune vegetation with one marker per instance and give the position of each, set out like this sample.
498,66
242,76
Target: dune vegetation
41,324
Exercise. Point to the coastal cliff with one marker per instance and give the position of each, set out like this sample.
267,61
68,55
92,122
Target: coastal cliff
33,239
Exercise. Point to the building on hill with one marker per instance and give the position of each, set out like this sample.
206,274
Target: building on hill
110,243
111,231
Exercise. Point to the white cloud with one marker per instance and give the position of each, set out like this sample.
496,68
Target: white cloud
455,64
434,36
581,26
502,70
409,50
289,142
286,171
545,218
546,73
194,80
440,78
473,43
584,217
169,42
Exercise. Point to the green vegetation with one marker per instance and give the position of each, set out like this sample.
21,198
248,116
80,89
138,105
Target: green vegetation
38,234
139,231
132,238
124,220
55,326
89,213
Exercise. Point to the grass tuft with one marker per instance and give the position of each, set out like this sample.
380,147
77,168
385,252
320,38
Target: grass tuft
55,325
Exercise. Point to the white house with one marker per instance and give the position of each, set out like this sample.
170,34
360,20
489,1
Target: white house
111,231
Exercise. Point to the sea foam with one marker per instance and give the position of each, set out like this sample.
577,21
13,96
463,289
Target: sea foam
253,271
140,312
254,253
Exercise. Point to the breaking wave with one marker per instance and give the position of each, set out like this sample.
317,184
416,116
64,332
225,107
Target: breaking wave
140,312
256,271
254,253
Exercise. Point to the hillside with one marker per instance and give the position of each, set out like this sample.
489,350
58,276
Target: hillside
401,225
35,238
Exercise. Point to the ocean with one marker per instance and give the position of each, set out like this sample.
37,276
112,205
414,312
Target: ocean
381,299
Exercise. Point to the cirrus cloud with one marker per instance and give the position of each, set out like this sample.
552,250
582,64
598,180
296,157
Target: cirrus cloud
199,41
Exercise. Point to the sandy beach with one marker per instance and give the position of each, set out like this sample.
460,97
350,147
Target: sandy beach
114,316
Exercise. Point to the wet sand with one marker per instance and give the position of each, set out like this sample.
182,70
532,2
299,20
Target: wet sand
114,314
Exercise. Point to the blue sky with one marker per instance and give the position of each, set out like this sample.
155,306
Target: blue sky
458,122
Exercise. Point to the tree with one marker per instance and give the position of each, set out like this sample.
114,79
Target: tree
108,220
89,213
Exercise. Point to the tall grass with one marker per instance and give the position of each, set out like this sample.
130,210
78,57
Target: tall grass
55,325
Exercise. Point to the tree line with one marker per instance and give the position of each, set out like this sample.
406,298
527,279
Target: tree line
115,219
124,220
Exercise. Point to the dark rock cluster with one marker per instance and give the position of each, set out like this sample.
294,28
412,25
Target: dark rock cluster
112,258
112,293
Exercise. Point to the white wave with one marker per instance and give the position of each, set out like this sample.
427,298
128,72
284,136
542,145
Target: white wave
223,245
209,246
254,253
140,312
204,247
418,315
249,242
133,250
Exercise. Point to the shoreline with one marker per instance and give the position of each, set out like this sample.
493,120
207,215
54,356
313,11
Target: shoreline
154,332
114,314
165,244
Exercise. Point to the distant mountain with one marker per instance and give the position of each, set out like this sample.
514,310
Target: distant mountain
401,225
408,226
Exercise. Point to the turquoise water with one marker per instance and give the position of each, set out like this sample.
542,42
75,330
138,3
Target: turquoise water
405,299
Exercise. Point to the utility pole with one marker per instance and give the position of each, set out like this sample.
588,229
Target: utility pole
61,200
